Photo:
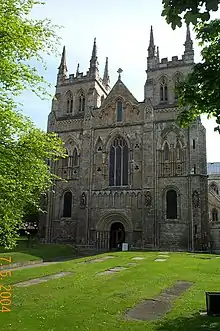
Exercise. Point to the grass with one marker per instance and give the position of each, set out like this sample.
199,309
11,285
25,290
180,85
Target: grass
23,253
86,301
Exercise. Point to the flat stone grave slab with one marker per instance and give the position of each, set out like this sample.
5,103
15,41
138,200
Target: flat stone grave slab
116,269
163,256
159,260
101,259
106,272
154,309
166,253
138,258
111,271
132,264
42,279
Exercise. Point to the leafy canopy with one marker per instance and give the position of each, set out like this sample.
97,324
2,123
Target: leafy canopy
192,11
24,149
199,93
23,39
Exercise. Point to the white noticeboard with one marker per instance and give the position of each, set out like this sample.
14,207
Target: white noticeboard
125,247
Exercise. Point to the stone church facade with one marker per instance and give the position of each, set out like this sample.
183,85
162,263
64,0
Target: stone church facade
132,175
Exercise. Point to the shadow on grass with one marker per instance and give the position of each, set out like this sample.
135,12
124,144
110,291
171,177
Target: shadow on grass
47,252
193,323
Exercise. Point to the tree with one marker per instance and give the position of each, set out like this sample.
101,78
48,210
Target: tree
24,149
191,11
199,92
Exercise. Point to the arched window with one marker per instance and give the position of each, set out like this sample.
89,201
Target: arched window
82,102
214,215
163,90
65,160
118,162
214,187
75,157
171,204
67,204
69,106
119,110
166,152
178,150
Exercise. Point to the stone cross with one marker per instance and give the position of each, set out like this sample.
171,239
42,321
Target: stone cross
119,73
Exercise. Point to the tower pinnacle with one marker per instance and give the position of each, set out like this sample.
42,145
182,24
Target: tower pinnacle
151,48
106,79
189,51
94,59
94,50
189,43
77,69
158,55
63,67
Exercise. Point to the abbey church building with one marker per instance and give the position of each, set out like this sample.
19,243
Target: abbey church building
132,175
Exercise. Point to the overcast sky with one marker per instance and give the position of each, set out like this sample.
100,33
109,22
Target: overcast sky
121,28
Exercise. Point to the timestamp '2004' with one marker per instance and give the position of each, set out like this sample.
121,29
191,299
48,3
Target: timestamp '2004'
5,290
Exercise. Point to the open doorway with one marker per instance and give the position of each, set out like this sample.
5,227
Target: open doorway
117,235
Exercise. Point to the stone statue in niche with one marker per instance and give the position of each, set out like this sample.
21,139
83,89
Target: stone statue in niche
83,200
195,199
148,199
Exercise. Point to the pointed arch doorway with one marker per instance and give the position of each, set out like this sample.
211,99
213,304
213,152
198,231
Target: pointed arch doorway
117,235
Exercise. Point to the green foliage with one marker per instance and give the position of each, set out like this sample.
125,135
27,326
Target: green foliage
21,40
190,10
199,93
24,173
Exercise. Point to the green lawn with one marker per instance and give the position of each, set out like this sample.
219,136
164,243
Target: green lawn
23,253
86,301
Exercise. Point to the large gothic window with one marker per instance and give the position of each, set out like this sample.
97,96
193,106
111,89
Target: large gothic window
119,110
67,204
69,101
163,90
82,101
118,162
171,204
